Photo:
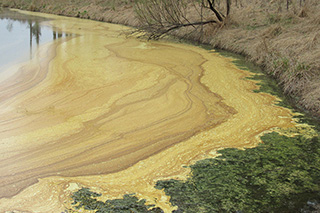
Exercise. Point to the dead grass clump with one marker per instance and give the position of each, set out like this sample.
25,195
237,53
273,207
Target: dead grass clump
303,13
312,98
315,20
33,7
272,31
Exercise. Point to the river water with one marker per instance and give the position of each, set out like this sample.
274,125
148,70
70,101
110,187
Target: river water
24,33
81,105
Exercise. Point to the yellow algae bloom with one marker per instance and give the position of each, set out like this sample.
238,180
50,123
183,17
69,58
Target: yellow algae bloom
118,114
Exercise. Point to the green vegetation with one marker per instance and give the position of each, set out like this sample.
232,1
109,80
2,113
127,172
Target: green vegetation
280,175
86,199
83,14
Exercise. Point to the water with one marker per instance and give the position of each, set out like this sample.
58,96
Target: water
102,110
20,37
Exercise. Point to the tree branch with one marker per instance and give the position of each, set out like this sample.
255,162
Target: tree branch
228,7
157,35
218,15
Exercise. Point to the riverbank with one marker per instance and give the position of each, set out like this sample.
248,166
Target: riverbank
284,42
255,114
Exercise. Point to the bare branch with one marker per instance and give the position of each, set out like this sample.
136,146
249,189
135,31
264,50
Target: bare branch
159,17
218,15
158,35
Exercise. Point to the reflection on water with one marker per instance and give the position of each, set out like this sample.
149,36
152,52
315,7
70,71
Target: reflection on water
20,36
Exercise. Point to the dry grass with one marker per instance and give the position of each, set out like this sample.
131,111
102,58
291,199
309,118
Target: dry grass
285,42
101,10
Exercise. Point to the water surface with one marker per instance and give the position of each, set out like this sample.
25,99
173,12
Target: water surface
20,36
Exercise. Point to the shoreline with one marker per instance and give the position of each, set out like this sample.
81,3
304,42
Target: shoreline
211,64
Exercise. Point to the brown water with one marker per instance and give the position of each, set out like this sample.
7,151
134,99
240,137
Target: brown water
115,114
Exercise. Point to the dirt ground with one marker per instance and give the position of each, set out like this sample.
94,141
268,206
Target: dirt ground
284,41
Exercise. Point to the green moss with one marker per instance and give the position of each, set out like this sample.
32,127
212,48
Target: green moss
281,175
86,199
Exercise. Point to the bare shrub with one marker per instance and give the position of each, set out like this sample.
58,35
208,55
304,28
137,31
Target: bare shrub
159,17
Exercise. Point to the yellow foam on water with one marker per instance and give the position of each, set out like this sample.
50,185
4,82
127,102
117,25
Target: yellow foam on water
118,114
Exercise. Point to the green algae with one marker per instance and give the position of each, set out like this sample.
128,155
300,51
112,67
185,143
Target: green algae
85,199
280,175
